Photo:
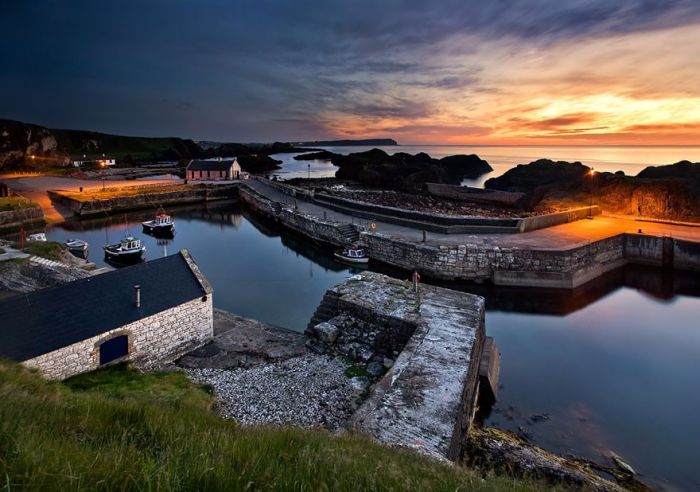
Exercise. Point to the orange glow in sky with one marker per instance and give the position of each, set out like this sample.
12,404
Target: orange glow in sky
640,88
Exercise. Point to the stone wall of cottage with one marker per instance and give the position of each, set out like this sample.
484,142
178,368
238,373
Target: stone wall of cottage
153,340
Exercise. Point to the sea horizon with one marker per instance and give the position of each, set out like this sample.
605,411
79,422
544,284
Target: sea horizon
630,159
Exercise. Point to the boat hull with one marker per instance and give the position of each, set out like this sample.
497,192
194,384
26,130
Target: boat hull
124,257
351,260
159,230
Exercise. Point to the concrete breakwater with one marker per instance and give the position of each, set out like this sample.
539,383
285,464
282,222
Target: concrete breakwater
504,265
148,199
442,224
14,219
427,397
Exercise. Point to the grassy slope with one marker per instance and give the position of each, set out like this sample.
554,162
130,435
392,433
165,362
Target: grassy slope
117,146
117,429
45,249
15,203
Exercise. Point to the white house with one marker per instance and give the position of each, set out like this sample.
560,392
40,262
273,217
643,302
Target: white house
213,170
102,161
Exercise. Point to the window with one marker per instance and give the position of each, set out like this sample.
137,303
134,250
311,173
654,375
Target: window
113,349
200,174
221,174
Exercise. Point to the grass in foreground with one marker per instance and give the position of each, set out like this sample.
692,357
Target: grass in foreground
118,429
8,203
45,249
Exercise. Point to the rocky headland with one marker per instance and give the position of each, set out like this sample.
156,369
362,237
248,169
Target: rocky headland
402,171
27,146
669,192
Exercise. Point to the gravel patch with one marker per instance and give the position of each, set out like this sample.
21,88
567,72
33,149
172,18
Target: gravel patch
310,391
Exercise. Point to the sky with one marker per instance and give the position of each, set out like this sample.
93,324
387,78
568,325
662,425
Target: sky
422,72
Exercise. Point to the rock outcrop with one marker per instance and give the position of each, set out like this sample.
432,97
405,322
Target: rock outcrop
312,156
408,172
664,192
258,164
19,141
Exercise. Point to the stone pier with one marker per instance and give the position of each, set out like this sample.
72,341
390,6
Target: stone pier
427,397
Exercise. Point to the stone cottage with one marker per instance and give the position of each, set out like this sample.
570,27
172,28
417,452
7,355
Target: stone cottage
213,170
147,313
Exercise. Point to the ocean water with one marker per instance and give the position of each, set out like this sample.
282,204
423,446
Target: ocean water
629,159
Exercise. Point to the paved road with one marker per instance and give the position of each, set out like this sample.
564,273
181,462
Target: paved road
560,237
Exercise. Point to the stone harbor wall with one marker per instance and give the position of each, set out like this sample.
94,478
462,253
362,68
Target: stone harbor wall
14,219
478,195
549,220
686,255
152,341
430,345
195,194
504,266
314,227
444,224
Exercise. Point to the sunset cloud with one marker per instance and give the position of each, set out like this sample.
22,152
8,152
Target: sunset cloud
455,71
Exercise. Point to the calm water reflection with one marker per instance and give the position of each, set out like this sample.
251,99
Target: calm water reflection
254,271
613,364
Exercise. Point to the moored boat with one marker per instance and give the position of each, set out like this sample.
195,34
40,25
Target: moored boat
76,246
352,255
39,236
129,250
161,224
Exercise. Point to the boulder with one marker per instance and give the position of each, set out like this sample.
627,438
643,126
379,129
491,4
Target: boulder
326,332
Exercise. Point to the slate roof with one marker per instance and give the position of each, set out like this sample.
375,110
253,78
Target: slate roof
46,320
210,165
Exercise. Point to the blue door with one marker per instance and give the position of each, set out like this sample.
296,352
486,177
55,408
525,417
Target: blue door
114,348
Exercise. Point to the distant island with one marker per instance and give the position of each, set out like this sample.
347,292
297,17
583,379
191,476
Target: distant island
347,143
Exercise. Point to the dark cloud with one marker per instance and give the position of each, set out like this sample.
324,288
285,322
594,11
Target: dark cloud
251,70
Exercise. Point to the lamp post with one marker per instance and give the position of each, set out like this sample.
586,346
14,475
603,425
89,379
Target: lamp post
591,174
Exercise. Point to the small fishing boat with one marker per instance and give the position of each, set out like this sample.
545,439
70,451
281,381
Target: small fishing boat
161,224
76,246
39,236
129,250
352,255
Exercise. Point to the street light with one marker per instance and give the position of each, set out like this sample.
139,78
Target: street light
591,174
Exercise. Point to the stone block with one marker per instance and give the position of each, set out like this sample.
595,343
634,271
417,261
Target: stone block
326,332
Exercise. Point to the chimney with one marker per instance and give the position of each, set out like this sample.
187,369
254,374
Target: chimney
137,291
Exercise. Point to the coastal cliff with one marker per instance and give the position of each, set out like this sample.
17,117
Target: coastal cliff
669,192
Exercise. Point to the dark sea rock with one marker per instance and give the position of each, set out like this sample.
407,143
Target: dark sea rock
665,192
403,171
311,156
682,170
525,178
258,163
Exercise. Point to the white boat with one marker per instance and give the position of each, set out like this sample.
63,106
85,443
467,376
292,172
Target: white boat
352,255
76,245
161,224
39,236
129,250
